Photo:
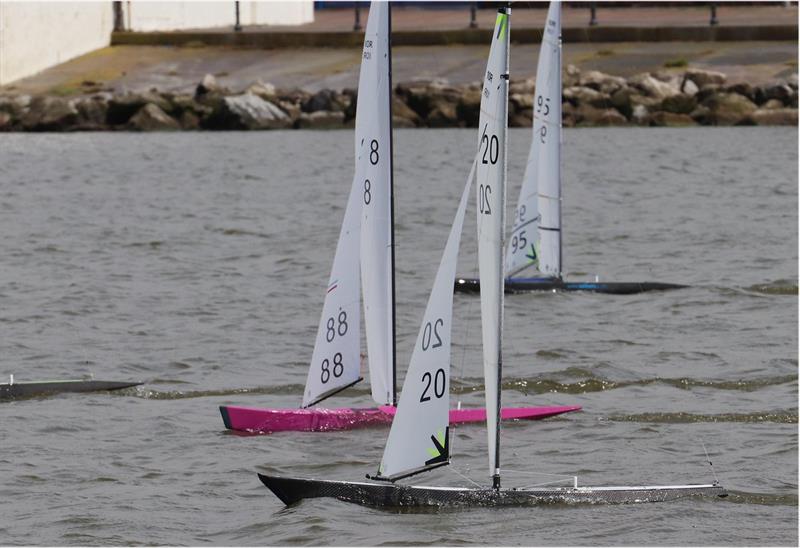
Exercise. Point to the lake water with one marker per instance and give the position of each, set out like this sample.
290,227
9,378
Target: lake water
197,263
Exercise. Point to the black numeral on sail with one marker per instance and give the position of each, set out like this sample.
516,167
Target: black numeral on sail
367,191
518,243
438,385
338,368
333,329
432,331
491,146
484,192
542,102
373,152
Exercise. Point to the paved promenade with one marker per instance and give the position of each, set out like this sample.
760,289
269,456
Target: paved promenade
179,69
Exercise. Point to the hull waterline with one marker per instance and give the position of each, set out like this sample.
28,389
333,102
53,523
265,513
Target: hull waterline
293,490
47,388
259,420
522,285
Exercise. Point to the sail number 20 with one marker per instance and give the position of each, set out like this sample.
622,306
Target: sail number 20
438,380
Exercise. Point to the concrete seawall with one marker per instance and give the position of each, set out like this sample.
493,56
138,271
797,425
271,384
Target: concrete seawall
605,34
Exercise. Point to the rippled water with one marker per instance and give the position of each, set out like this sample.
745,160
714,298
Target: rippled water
197,263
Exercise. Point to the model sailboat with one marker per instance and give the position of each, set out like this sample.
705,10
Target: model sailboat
535,239
419,439
366,239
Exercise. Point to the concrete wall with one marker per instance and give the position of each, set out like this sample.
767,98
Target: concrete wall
38,35
178,15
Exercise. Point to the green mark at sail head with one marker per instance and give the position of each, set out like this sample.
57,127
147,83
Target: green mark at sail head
500,24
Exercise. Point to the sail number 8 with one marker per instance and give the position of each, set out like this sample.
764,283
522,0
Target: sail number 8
338,368
438,380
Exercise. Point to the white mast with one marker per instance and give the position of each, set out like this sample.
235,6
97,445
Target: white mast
374,161
491,187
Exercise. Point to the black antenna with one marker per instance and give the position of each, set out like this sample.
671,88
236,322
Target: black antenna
391,214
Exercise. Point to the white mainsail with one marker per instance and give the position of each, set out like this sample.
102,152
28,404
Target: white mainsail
419,438
491,176
374,159
335,363
535,237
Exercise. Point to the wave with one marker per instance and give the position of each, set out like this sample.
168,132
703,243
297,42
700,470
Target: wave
786,416
765,499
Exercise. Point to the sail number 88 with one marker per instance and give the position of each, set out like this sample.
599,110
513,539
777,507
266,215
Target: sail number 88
338,368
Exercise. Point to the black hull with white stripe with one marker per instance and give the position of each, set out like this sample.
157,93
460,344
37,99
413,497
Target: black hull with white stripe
523,285
293,490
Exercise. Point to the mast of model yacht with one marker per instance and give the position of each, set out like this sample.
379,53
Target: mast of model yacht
491,189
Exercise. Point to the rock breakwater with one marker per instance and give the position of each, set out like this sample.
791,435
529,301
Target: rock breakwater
665,98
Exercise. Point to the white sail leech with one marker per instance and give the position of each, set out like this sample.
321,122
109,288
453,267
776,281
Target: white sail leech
374,163
490,187
335,362
419,437
535,238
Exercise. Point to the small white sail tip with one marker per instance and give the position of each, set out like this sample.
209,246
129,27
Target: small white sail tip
10,379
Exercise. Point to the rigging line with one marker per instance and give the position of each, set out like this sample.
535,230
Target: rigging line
716,480
529,473
452,469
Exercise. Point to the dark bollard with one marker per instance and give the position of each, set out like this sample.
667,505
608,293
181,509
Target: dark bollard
713,20
237,27
357,25
593,19
119,20
473,23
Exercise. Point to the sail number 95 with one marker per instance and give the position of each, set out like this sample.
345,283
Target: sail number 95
437,380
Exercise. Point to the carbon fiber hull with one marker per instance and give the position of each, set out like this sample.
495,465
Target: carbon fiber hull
521,285
292,490
46,388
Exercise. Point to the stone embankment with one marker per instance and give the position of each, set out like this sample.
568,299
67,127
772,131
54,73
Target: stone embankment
667,98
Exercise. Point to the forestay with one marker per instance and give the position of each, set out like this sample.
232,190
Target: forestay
420,438
374,164
541,184
491,170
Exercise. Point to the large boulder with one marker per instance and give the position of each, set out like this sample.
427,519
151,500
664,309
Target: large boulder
400,110
704,77
727,109
679,104
93,113
247,111
6,121
653,87
122,107
640,115
579,95
774,117
326,100
423,98
207,85
521,118
588,115
599,81
772,104
266,91
522,87
689,88
443,114
321,119
744,89
151,118
50,114
779,91
570,76
468,108
671,119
